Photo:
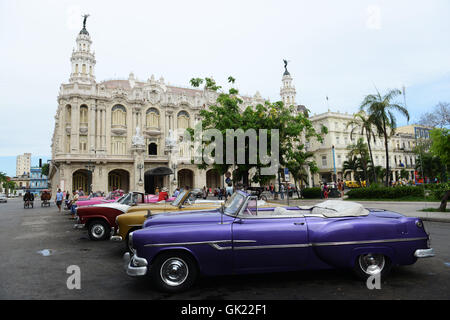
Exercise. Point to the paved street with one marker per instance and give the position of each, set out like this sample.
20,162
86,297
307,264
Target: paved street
28,274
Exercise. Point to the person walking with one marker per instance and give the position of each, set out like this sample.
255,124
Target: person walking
325,191
59,199
282,191
204,193
73,204
341,187
229,191
163,195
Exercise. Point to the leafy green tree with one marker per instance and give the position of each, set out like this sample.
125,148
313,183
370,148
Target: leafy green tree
294,130
45,169
350,165
381,110
440,147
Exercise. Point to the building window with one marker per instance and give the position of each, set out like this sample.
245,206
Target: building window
83,69
83,143
68,115
183,120
324,161
152,149
337,140
67,144
84,115
118,116
118,145
152,118
339,159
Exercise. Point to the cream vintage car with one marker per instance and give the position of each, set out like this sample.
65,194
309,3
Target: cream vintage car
135,216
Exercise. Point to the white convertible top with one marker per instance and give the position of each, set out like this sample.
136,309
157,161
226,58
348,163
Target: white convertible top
339,208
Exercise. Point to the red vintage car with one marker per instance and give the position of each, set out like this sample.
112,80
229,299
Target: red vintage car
100,219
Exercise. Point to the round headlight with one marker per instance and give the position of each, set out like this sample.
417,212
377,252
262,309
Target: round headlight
419,224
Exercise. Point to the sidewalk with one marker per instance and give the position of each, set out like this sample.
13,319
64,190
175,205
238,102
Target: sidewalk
409,209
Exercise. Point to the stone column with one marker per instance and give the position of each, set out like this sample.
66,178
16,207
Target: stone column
92,128
310,185
75,128
138,169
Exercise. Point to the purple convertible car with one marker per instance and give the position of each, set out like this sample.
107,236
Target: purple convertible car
174,248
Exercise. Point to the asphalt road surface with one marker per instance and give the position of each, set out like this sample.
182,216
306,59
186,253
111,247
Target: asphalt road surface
38,245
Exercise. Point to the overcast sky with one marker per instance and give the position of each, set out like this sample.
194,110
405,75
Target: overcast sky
340,49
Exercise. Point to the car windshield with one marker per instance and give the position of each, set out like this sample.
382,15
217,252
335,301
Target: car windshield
233,204
126,199
178,199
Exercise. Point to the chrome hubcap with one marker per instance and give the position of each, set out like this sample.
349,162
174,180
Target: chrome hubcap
174,272
98,231
372,264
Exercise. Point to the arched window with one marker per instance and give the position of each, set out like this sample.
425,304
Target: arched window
76,68
118,116
152,149
68,115
152,118
83,68
84,115
183,120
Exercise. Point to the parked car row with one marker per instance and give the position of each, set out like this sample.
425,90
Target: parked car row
176,242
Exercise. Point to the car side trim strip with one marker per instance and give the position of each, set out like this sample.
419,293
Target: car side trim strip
215,244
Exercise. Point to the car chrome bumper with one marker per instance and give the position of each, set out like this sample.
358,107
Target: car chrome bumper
134,265
424,253
79,226
116,238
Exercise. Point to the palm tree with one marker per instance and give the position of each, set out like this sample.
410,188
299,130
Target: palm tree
381,109
359,150
365,124
351,164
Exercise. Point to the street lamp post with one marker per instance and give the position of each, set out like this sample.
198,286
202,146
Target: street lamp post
91,167
334,165
140,166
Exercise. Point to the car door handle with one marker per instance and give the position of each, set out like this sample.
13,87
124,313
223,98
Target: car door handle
299,223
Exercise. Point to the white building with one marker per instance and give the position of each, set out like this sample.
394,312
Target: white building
23,164
400,149
112,134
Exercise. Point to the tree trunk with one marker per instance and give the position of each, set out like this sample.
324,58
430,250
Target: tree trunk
371,159
444,200
388,171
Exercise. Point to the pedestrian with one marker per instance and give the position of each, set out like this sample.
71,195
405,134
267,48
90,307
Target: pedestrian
341,187
325,191
229,190
163,195
59,199
276,191
177,192
282,191
73,204
204,193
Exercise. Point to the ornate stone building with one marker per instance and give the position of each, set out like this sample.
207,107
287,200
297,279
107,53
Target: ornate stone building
115,133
